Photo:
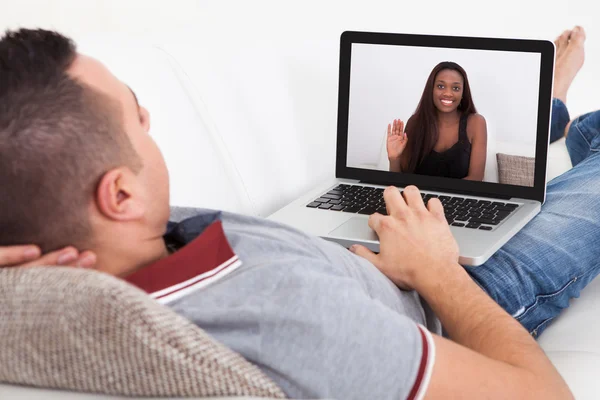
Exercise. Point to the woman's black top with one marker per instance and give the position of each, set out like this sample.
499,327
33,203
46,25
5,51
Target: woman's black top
452,163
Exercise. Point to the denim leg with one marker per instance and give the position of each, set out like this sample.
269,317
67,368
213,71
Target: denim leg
557,254
558,120
583,138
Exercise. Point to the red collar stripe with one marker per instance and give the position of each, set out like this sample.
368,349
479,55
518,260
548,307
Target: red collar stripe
175,292
202,261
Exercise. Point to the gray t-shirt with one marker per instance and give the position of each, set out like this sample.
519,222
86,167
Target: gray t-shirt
320,321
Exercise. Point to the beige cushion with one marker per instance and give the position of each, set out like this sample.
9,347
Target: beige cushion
515,170
73,329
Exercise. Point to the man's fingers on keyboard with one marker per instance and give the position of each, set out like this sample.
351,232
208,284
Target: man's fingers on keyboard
394,202
374,221
413,198
435,207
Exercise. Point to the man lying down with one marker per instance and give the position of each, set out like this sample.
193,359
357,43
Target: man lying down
85,185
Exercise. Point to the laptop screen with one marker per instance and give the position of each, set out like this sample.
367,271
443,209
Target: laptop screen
443,112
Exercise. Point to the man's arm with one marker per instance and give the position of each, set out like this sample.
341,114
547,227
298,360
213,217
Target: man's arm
496,356
491,355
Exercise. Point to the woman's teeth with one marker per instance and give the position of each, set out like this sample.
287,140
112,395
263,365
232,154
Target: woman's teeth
447,102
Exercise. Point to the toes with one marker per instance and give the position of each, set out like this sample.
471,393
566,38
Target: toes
577,35
561,42
564,37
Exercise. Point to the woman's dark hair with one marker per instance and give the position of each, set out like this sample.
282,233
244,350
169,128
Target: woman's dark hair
421,128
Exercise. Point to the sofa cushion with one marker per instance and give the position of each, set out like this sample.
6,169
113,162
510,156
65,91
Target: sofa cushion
515,170
82,330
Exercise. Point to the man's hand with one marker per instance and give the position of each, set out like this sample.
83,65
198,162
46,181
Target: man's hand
501,359
30,256
414,239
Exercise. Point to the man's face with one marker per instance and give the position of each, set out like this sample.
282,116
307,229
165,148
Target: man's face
153,176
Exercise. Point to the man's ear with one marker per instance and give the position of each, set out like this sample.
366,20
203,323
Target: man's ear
118,195
145,119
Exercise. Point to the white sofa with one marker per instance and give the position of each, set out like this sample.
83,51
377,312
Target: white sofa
241,130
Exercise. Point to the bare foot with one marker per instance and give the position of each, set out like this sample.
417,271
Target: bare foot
569,60
561,43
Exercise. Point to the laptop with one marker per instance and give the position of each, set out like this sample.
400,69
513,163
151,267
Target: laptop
383,77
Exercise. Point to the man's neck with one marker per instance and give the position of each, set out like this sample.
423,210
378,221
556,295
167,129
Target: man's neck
126,259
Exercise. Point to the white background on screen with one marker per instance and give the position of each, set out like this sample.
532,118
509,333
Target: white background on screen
387,83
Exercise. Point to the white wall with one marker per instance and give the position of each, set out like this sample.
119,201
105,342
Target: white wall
387,82
315,21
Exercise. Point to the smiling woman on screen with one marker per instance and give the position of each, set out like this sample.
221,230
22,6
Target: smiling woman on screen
445,136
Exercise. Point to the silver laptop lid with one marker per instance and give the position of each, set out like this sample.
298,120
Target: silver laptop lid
508,82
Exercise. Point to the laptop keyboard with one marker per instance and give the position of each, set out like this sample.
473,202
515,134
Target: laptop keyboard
459,211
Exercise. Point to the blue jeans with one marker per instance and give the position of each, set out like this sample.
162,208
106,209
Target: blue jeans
556,254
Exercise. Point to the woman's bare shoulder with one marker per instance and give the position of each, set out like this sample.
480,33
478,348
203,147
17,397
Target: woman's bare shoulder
476,126
476,119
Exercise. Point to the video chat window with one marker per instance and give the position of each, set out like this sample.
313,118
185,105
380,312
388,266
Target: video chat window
440,114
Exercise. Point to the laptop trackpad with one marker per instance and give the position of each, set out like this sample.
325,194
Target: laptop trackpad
355,228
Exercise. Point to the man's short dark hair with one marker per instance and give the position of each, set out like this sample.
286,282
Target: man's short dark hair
58,137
